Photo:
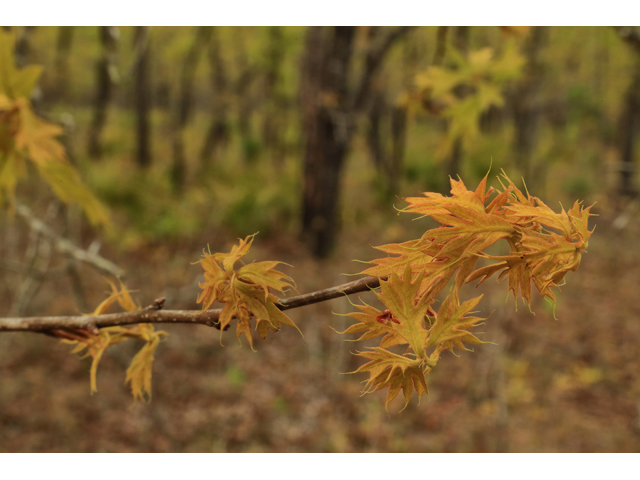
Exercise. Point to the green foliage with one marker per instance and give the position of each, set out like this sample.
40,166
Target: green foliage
467,89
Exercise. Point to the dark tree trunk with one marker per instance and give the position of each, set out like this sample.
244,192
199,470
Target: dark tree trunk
142,92
330,110
218,133
185,107
61,68
629,128
526,104
275,108
23,46
327,131
106,76
247,101
629,123
387,159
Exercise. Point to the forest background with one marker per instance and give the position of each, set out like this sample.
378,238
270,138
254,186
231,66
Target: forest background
194,136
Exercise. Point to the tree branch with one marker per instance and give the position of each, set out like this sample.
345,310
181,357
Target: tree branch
65,246
374,59
155,314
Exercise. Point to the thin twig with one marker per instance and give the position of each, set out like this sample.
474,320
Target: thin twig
65,246
154,314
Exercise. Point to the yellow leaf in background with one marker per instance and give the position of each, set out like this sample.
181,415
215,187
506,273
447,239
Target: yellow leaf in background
25,136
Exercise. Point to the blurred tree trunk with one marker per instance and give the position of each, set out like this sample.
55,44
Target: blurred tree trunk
218,134
454,163
185,106
142,92
629,127
387,159
629,122
22,57
247,102
106,79
441,46
273,122
61,66
329,116
324,90
23,46
526,106
387,150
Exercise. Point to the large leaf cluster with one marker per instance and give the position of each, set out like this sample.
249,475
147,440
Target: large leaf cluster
544,246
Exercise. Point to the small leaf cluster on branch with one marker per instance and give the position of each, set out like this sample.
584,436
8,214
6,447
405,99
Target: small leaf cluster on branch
245,292
97,341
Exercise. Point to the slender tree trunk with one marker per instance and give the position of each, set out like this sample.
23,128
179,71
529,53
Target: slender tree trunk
330,110
142,92
629,128
23,46
454,165
629,123
218,133
273,122
185,107
441,45
61,68
106,76
327,131
526,104
246,99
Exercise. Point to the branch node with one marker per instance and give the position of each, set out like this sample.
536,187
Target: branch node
92,329
158,304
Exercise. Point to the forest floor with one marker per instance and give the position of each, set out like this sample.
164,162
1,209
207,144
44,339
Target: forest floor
542,385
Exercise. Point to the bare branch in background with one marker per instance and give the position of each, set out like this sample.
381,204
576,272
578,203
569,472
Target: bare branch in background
65,246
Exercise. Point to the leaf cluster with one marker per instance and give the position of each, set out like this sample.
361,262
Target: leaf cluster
464,90
544,246
245,292
95,344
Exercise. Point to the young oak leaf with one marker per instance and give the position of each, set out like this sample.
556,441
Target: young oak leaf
451,327
415,253
408,308
139,372
140,369
372,325
246,292
387,369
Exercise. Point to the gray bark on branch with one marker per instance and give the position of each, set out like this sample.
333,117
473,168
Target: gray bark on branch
66,247
155,314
